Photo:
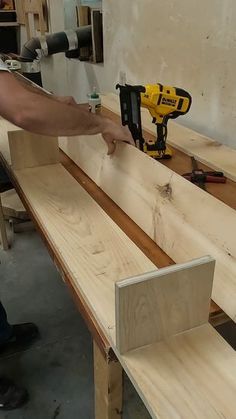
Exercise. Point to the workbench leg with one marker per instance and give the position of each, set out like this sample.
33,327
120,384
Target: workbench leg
108,383
3,231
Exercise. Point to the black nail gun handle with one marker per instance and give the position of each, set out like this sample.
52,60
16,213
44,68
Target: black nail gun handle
130,105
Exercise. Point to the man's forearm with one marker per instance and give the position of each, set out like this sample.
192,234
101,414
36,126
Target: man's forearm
43,115
28,85
51,117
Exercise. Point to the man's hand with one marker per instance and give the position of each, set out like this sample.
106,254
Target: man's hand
112,133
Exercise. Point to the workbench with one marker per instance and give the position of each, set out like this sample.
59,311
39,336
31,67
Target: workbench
108,371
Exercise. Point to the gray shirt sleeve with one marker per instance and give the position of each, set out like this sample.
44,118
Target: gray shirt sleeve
3,66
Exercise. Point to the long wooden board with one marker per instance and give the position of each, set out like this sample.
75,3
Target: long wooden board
95,250
205,149
183,220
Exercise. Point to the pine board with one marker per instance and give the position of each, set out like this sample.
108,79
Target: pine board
182,219
189,376
12,205
95,251
205,149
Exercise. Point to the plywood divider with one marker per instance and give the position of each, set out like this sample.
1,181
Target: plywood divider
156,305
31,150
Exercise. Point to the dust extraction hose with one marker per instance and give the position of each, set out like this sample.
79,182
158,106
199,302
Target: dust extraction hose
43,46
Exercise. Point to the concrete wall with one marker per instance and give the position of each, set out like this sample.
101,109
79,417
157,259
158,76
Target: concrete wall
187,43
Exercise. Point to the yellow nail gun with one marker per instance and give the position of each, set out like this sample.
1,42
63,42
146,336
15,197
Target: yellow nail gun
163,103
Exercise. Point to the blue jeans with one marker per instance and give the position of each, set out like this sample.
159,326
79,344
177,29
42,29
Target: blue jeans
5,327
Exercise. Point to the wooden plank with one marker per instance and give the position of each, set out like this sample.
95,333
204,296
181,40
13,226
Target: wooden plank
183,220
6,24
32,6
185,376
83,20
12,205
133,231
154,306
205,149
37,8
81,304
3,231
181,163
20,12
95,251
97,35
30,150
108,386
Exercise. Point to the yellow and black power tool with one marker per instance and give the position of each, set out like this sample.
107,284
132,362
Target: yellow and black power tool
163,103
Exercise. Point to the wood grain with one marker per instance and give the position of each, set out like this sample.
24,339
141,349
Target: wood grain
185,377
36,8
30,150
183,220
12,205
156,305
85,311
20,12
205,149
95,250
83,13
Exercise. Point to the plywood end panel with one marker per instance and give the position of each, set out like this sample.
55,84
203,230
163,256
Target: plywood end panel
31,150
159,304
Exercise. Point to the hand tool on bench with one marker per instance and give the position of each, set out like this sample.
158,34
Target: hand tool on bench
163,103
200,178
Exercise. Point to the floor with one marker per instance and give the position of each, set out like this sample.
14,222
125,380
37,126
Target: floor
57,370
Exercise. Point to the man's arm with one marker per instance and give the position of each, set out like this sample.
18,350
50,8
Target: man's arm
28,85
41,115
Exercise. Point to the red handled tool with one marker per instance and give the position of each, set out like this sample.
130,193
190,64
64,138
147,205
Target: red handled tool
200,178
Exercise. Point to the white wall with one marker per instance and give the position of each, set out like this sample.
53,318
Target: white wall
186,43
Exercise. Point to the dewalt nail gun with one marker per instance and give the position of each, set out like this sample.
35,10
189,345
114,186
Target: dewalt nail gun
163,103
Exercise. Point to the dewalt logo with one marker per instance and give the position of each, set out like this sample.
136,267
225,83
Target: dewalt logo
168,102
